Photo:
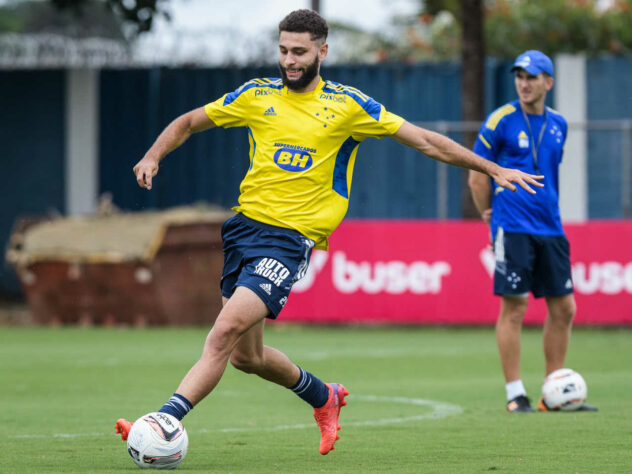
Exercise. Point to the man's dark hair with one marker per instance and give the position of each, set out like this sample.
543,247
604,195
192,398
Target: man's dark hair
305,21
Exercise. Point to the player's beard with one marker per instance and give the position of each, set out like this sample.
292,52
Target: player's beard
309,73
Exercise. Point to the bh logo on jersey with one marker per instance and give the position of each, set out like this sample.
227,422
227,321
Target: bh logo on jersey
292,160
273,270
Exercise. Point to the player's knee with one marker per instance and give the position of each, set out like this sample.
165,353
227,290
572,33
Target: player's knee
222,338
247,363
513,310
563,314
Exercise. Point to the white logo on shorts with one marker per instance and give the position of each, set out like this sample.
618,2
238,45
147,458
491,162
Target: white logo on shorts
273,270
267,287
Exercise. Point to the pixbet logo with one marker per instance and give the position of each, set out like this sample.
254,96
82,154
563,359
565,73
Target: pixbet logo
393,277
333,97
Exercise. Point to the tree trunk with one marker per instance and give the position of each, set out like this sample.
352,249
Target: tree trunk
472,84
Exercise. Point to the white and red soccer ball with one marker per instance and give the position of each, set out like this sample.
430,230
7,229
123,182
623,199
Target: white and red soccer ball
564,389
157,441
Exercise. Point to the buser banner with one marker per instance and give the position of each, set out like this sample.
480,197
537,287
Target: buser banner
429,272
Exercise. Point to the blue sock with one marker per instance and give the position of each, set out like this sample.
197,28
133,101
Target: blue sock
311,389
177,406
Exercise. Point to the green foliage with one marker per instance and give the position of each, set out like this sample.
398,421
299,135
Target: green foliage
10,21
513,26
115,19
88,19
557,26
139,14
63,389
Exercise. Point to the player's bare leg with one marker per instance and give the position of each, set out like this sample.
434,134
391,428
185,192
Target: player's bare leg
508,329
557,330
253,357
556,336
241,312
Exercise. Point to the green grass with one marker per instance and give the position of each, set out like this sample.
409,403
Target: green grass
63,389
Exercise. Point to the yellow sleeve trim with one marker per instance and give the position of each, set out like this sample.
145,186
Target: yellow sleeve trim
484,141
496,117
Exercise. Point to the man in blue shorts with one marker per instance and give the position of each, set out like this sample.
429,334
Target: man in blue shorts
531,250
304,133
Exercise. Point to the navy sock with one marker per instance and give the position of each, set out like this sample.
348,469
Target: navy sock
177,406
311,389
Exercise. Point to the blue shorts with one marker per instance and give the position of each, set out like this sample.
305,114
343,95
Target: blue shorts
532,263
264,258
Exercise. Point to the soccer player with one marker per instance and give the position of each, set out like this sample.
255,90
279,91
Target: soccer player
531,250
304,133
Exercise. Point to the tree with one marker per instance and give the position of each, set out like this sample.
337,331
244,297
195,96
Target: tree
137,15
558,26
469,14
451,29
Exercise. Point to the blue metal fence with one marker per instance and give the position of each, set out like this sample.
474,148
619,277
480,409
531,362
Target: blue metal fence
390,181
609,86
32,158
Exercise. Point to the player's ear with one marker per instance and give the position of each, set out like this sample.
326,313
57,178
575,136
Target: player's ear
322,51
549,82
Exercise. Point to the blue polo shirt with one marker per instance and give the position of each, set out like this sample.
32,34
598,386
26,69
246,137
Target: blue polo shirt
507,139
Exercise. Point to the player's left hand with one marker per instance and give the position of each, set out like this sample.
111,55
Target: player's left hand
145,170
505,177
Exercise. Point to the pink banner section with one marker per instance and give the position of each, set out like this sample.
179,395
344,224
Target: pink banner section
431,272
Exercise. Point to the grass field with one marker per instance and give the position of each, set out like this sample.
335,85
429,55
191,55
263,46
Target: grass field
422,400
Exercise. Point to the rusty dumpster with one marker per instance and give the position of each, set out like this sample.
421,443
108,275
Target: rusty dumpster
146,268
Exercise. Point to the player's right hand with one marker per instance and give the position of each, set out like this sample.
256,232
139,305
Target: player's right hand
145,170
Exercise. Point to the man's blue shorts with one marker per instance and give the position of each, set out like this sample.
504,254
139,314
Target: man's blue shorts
532,263
264,258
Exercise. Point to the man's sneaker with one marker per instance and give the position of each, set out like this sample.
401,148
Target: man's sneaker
520,404
583,407
122,427
327,416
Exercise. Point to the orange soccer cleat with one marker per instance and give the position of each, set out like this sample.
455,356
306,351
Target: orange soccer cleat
122,427
327,417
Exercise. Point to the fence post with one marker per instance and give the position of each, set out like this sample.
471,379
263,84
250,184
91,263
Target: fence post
626,165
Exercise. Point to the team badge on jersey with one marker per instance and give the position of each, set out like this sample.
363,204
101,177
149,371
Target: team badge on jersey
523,140
555,131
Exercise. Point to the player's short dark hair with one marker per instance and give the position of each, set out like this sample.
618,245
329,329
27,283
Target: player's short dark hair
305,21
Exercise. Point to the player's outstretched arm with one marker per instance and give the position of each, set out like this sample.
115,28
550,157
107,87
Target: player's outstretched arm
444,149
176,133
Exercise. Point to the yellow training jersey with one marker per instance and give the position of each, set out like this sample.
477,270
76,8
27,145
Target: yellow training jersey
302,150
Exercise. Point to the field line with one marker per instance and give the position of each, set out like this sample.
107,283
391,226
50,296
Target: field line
437,410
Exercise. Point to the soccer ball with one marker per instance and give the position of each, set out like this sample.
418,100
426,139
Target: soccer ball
564,390
157,441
